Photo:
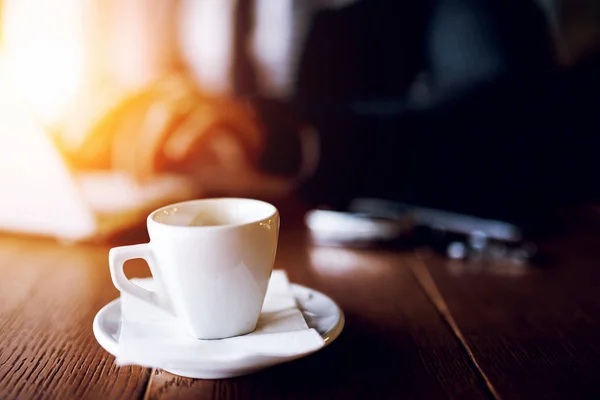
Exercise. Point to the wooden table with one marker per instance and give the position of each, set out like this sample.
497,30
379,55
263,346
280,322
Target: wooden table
418,326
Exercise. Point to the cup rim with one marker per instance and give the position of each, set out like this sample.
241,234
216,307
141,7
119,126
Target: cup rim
151,221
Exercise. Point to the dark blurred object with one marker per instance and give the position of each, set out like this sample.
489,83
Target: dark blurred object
375,222
444,104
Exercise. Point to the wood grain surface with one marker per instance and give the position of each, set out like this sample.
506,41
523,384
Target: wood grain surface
49,294
418,326
535,332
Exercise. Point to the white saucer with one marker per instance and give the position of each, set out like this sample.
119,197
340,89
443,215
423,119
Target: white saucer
320,312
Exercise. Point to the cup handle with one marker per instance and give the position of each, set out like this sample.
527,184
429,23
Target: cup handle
116,259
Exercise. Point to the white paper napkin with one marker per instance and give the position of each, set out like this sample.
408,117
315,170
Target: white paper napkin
151,337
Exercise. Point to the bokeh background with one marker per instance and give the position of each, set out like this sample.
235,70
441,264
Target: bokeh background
482,107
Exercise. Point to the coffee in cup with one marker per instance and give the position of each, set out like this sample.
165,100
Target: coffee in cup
211,260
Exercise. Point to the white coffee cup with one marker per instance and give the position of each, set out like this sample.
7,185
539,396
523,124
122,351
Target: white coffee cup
211,260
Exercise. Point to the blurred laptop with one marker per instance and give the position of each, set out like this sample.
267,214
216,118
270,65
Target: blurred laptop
40,194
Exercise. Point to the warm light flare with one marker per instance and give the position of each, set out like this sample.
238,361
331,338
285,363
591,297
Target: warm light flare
45,53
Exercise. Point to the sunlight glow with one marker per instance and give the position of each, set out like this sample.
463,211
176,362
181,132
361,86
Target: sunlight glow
45,53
